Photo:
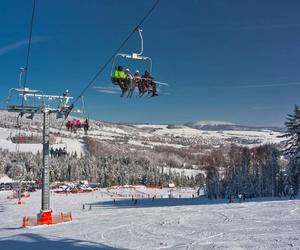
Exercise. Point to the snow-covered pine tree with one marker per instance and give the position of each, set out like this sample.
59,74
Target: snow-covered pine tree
292,143
292,148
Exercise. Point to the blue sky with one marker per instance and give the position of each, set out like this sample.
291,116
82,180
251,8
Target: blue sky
236,61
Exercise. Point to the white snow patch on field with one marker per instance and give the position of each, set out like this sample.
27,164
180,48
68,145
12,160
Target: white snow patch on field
72,144
152,144
185,131
150,126
184,223
182,171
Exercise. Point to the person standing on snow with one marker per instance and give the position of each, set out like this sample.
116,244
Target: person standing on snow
292,193
240,196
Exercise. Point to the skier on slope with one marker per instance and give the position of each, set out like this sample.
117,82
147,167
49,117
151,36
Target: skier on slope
86,126
240,196
292,193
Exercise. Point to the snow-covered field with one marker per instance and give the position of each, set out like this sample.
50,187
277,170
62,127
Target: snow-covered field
162,223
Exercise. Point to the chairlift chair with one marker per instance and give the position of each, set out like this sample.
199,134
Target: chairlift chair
19,168
24,100
64,107
58,146
80,111
18,137
133,56
22,139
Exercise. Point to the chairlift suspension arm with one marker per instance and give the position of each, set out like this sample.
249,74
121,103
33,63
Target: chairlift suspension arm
142,42
20,77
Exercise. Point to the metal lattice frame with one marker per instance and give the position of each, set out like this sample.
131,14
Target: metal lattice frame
48,106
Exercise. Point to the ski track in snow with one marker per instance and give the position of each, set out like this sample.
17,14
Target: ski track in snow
159,224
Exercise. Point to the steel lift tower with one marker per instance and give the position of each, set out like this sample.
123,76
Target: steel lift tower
30,102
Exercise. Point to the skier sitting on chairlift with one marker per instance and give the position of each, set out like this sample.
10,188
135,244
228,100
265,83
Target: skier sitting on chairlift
128,75
86,126
78,124
138,81
74,126
147,82
129,83
60,152
52,152
69,125
119,77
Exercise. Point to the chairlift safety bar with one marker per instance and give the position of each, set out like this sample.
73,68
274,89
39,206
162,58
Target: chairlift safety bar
134,56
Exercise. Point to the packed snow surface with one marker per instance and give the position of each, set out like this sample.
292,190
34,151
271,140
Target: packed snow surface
162,223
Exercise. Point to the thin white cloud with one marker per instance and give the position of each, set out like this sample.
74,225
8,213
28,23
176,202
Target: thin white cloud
13,46
107,89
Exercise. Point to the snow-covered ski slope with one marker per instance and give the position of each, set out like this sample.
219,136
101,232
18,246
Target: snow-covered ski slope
137,135
161,223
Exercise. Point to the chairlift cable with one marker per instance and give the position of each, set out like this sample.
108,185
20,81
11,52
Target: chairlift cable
117,51
112,57
29,44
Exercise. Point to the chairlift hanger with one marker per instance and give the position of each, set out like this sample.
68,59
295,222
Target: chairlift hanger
144,84
133,56
81,110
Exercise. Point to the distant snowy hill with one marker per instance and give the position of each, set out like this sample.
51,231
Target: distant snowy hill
137,136
208,123
220,125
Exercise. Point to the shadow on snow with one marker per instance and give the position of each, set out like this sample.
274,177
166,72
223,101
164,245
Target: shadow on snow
30,241
169,202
